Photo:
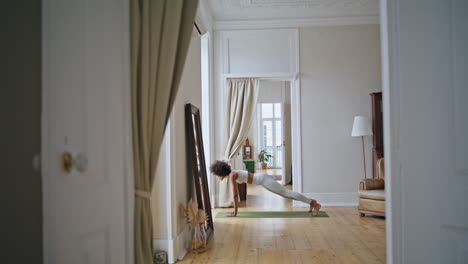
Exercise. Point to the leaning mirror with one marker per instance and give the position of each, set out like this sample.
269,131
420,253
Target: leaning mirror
197,154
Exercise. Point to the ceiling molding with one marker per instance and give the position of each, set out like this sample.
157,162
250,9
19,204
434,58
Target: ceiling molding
295,23
240,10
305,3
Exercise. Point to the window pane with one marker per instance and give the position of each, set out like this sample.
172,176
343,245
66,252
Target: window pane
278,111
279,143
269,150
279,136
279,157
267,110
267,134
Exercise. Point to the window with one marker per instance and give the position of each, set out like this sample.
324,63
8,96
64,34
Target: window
271,132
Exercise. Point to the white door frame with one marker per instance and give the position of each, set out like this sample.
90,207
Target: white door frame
286,144
207,107
390,104
296,145
128,164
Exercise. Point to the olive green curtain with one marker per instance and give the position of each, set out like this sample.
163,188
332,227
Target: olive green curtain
160,34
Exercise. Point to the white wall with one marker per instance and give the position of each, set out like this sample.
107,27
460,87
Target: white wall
340,66
159,196
173,186
190,92
271,91
243,52
258,51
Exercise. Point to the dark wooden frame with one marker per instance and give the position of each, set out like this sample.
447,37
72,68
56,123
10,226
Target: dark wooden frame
377,131
195,141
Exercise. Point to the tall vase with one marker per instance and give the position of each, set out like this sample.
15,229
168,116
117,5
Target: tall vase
198,243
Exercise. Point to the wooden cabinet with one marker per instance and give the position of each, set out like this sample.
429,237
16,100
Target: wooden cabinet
377,130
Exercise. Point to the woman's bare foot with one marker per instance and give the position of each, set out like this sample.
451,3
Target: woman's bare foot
312,205
317,207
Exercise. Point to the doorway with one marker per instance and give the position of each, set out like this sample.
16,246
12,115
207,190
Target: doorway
273,126
293,91
270,132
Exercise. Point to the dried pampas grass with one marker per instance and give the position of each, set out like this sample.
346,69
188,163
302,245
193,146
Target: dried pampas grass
197,222
194,215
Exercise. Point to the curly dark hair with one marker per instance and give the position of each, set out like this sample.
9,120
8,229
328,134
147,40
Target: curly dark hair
220,168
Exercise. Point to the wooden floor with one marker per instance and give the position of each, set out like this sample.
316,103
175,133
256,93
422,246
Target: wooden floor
344,237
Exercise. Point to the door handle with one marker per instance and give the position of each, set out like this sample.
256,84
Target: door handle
66,162
80,162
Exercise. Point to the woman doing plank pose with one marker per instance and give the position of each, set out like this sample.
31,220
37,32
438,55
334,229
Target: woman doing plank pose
222,170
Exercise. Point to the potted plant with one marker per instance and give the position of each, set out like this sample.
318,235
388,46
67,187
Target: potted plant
264,157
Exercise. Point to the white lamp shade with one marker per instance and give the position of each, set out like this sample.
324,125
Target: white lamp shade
361,127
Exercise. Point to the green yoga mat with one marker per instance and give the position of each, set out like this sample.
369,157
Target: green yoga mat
273,214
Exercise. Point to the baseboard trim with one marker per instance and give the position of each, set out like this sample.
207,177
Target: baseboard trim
176,248
331,199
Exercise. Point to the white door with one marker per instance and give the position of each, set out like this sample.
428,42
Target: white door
85,83
426,117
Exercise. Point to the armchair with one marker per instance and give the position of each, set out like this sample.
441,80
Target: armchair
372,193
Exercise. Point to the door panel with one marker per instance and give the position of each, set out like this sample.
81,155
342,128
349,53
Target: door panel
92,251
454,230
85,91
427,89
460,81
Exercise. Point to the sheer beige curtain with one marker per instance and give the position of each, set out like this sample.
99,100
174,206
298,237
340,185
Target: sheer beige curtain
160,37
240,107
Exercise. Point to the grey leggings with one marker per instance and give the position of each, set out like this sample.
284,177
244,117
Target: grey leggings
273,186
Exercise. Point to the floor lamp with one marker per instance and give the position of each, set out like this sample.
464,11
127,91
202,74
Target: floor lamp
361,128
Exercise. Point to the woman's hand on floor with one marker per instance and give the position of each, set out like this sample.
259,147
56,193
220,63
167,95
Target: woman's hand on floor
231,214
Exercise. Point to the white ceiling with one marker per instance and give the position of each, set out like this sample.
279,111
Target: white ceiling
238,10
